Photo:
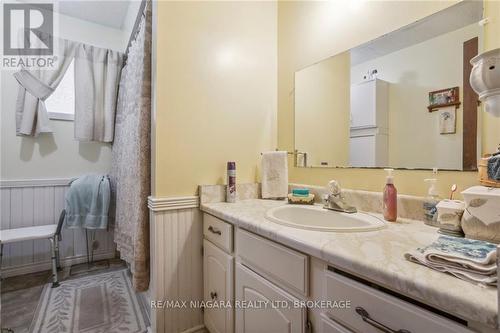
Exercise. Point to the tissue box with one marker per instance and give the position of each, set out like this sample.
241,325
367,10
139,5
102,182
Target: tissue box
450,216
481,219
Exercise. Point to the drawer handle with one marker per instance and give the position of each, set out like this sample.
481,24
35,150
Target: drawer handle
213,295
214,230
367,319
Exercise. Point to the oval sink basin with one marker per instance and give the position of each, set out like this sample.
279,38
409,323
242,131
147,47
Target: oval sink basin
320,219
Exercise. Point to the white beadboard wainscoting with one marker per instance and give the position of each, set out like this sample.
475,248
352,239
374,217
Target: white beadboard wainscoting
25,203
176,262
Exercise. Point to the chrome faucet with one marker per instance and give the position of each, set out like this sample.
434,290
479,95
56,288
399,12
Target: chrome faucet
334,200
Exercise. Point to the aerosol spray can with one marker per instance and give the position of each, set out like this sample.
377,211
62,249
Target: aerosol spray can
231,182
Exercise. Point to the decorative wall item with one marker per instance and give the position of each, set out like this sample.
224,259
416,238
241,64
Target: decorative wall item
443,98
447,120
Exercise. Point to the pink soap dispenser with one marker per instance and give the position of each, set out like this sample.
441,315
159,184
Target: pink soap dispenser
390,204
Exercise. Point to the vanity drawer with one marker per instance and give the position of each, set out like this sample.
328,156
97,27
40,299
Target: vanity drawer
218,232
328,325
383,308
285,267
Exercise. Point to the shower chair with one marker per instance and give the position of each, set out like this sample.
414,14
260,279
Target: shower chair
52,232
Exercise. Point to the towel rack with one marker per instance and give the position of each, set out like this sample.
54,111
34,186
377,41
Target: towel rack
288,152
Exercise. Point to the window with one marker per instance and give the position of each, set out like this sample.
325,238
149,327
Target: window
61,104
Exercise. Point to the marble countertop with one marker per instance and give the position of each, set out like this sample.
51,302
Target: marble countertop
376,256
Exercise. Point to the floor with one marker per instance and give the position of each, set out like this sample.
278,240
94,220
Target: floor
20,294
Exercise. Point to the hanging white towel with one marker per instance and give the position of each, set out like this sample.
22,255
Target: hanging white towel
274,175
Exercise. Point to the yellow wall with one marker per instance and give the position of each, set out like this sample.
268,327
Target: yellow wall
216,85
215,92
311,31
322,109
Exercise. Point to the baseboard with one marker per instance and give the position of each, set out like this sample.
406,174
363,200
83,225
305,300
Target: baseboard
46,265
196,329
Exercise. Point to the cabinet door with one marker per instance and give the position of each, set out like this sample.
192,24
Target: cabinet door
363,103
218,287
260,306
362,151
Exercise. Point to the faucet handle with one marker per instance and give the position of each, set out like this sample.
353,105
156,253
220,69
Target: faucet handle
334,187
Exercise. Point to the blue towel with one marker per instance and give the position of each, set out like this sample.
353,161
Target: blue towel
494,167
87,202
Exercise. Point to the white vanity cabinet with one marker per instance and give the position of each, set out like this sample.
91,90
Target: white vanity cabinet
270,309
330,325
371,309
218,274
268,284
270,275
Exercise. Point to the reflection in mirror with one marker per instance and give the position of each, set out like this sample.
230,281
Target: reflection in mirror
393,101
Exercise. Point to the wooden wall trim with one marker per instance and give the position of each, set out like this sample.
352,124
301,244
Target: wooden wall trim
35,182
470,106
173,203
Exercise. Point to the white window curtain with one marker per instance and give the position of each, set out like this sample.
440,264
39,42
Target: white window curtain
97,75
35,87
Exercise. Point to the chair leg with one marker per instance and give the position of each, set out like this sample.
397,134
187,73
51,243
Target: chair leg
55,282
58,257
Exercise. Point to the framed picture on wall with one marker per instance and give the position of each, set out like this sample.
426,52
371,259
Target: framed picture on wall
448,120
443,98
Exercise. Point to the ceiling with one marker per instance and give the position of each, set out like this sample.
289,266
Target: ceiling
450,19
108,13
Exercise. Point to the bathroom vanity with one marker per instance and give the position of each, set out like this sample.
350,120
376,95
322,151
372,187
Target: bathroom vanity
283,279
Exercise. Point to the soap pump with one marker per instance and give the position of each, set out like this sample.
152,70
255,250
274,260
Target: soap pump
390,198
430,202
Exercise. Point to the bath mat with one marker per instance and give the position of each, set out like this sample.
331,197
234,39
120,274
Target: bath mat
101,303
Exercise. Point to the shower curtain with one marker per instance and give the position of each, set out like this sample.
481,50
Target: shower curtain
130,171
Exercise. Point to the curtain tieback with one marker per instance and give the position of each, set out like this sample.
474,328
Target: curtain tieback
33,85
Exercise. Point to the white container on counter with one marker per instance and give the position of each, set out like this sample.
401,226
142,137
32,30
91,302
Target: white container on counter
449,216
481,219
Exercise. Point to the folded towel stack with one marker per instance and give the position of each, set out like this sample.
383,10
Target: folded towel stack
467,259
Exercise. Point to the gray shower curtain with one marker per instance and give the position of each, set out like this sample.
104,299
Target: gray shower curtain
130,171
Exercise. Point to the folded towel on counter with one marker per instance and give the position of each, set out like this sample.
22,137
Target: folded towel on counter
87,202
494,167
467,259
274,175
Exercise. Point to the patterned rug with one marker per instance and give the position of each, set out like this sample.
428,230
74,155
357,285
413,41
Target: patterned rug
101,303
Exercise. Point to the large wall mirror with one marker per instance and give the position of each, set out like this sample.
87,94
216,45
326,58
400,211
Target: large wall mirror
402,100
